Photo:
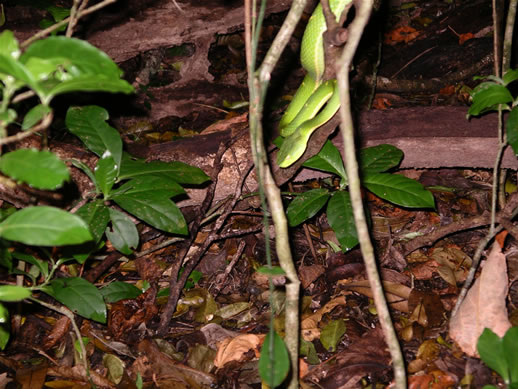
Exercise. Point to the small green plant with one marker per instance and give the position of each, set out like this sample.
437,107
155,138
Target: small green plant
501,355
374,163
48,68
490,95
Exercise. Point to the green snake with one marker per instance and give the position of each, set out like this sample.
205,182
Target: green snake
316,101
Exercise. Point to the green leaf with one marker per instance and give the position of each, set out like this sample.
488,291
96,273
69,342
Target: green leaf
510,76
105,173
79,67
152,206
271,271
180,172
34,115
119,290
39,169
97,216
9,44
306,206
123,234
274,363
78,56
11,293
4,327
18,71
89,124
329,160
487,96
45,226
512,129
43,266
340,216
91,83
332,333
510,347
379,158
160,186
491,350
80,296
399,190
308,350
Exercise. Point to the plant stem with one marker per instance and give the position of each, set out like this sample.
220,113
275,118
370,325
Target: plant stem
342,71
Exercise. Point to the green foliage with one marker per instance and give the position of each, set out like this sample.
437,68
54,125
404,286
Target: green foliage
50,67
274,363
332,333
490,95
374,162
80,296
119,290
500,354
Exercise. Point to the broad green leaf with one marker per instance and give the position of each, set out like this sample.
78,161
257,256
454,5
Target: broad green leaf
491,350
379,158
89,124
45,226
6,259
11,293
97,216
271,271
43,266
80,296
90,83
176,171
274,362
340,216
4,314
20,74
123,234
399,190
9,44
105,173
306,206
119,290
154,209
487,96
512,129
158,186
510,347
34,115
4,335
510,76
78,56
332,333
39,169
329,160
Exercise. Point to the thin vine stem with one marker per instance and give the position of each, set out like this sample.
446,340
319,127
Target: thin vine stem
347,129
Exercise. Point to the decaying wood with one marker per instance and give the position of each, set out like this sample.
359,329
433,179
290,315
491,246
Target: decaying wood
430,137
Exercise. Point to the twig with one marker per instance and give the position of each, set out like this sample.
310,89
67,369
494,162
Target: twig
177,286
363,10
220,279
54,27
21,135
68,313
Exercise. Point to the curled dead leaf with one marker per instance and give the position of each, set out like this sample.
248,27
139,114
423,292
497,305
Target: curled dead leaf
484,305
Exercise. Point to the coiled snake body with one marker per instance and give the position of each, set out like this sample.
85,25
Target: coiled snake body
316,101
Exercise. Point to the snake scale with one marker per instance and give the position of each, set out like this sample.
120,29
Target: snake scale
316,101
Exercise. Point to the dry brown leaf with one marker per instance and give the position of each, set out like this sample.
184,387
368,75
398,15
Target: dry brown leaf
312,320
396,294
484,305
234,349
